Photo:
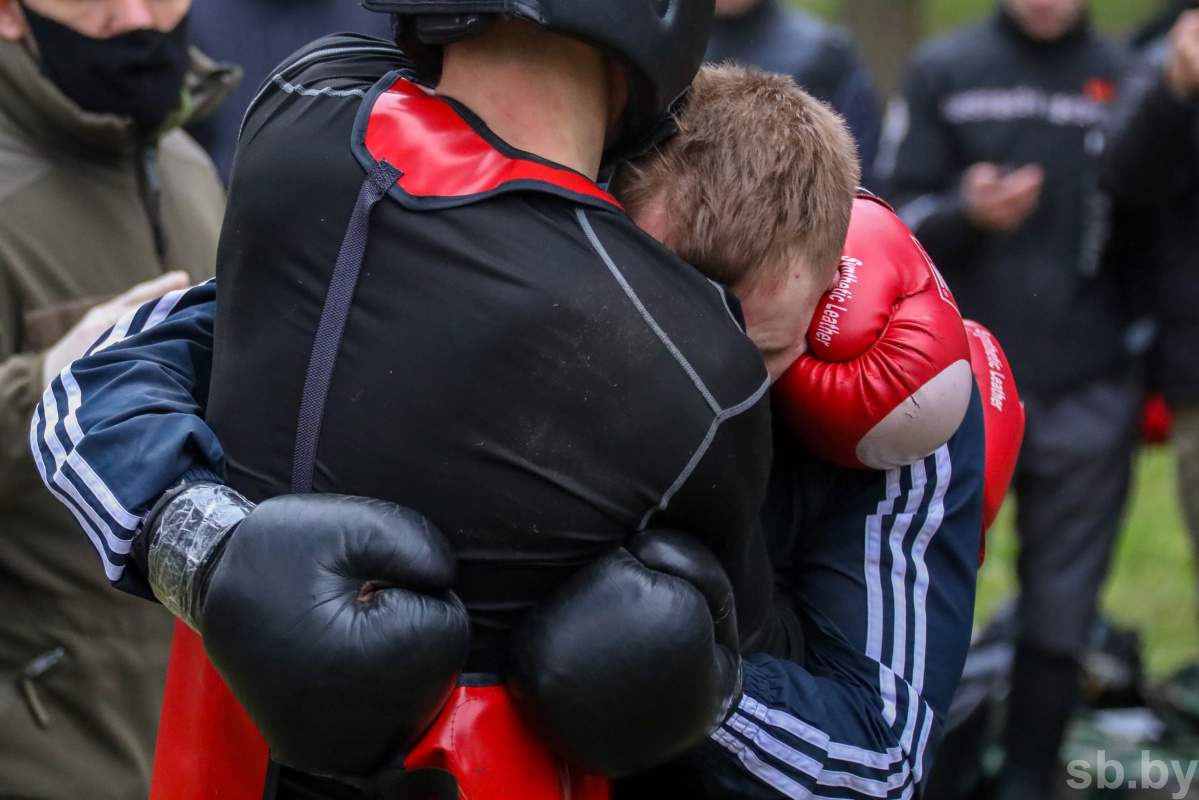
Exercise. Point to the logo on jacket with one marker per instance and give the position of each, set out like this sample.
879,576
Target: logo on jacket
842,293
1024,103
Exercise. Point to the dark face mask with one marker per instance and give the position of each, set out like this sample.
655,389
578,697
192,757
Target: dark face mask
137,74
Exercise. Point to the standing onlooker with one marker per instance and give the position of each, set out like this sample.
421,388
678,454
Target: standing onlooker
997,171
96,193
820,57
258,35
1153,165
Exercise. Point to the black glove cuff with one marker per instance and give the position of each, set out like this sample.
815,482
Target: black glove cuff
187,530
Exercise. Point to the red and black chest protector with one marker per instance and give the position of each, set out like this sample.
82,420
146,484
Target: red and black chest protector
432,318
479,747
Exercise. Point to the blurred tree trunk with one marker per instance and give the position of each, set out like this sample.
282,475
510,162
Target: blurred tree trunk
887,32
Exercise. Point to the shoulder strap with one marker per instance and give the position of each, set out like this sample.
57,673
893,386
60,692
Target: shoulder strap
329,332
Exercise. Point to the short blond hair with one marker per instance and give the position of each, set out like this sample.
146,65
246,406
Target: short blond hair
759,173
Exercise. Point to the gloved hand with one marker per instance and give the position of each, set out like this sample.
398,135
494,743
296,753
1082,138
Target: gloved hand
99,319
632,661
887,379
330,618
1003,417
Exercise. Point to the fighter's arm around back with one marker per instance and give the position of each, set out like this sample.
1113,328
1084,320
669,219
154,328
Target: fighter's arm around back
883,577
126,422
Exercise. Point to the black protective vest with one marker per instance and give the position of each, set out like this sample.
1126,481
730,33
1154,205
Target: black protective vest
474,333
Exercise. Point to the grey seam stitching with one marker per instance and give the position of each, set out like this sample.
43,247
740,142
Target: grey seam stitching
628,290
741,407
305,60
685,474
724,298
303,91
747,403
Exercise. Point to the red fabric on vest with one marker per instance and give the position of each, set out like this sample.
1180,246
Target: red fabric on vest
441,155
482,740
208,749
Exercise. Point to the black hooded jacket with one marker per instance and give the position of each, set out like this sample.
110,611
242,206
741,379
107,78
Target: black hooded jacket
1152,164
1047,291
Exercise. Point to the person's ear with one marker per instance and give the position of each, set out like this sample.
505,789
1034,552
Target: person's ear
12,21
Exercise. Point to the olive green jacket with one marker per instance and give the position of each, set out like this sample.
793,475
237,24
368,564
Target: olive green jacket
82,666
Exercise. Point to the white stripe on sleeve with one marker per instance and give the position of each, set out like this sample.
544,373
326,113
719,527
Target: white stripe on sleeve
932,524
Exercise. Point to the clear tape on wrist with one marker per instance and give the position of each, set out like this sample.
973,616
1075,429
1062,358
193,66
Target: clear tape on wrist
190,531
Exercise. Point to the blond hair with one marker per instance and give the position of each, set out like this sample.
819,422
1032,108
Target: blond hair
759,173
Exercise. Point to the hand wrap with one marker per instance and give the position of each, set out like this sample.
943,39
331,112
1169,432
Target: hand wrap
189,526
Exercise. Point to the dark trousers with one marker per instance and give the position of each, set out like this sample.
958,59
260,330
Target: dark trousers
1071,486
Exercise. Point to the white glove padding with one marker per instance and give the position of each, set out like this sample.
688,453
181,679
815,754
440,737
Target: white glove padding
104,316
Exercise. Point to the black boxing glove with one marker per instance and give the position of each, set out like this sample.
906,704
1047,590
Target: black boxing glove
330,618
632,661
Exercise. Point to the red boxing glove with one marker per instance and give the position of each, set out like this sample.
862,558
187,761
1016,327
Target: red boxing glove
1003,417
887,379
1157,420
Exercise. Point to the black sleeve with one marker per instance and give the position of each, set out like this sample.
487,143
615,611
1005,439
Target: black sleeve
921,169
727,520
1151,148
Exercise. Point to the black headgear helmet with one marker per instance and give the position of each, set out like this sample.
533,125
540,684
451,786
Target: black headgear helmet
660,43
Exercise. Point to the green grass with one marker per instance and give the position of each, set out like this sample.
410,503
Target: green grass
1152,584
1116,16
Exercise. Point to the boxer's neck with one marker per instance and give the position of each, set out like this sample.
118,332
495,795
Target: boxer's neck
542,93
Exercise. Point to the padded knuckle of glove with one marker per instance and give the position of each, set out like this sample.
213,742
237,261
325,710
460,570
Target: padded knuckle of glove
675,553
624,666
333,622
887,378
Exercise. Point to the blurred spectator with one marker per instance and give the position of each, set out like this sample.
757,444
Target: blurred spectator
258,35
97,192
820,57
996,168
1152,164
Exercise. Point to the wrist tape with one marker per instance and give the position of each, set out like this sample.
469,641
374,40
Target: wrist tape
188,533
